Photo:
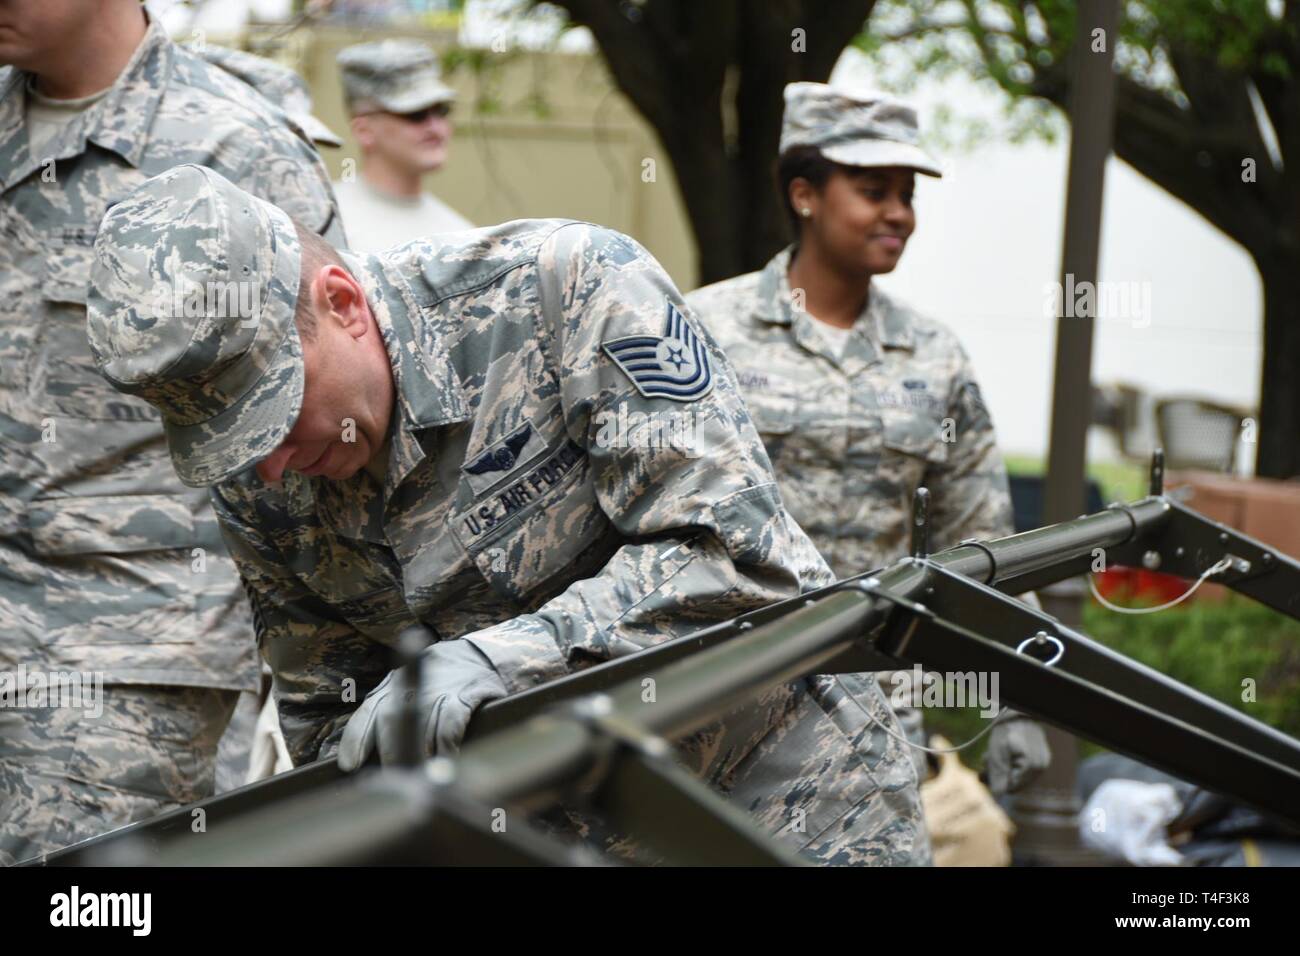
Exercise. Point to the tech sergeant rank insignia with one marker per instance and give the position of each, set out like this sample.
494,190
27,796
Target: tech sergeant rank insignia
674,365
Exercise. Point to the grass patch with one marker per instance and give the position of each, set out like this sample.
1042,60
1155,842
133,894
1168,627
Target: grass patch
1216,648
1119,480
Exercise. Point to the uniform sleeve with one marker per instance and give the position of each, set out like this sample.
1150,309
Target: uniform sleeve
322,666
287,171
707,536
970,494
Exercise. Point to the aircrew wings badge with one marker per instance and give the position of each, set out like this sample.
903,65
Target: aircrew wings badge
674,365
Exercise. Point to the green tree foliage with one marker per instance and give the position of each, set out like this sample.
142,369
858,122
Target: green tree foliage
708,76
1207,107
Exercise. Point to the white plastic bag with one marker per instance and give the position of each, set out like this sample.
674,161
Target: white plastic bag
1127,819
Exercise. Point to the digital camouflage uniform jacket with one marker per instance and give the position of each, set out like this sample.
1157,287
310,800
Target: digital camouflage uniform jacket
517,513
107,563
852,437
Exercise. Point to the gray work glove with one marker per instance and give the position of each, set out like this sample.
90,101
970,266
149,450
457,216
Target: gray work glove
1016,755
455,678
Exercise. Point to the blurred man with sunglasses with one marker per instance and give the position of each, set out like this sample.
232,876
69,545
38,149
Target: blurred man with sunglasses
400,112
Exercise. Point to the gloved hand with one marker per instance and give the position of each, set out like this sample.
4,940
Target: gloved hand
1017,753
455,678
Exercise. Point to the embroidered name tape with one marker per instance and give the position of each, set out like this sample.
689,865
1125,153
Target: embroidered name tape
531,490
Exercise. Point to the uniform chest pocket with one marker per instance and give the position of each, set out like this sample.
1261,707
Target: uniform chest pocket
63,378
774,414
921,435
357,575
914,442
775,418
537,531
125,569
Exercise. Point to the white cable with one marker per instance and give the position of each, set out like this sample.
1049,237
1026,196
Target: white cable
1213,569
938,750
992,724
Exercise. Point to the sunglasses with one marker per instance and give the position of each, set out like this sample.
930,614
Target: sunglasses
440,110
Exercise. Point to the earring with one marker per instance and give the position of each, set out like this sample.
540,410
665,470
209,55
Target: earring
805,212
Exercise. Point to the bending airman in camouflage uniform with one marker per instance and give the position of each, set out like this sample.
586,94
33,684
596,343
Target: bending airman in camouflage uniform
108,565
435,437
866,400
252,746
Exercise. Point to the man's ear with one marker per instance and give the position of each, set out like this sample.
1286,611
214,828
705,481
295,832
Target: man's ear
363,131
343,296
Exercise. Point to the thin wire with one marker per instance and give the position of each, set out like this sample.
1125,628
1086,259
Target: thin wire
938,750
952,750
1213,569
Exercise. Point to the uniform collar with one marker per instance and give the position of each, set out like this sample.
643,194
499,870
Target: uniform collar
429,393
15,159
883,322
772,304
891,320
119,122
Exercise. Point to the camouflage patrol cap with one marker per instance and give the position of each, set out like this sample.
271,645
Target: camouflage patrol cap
275,81
854,128
191,307
397,76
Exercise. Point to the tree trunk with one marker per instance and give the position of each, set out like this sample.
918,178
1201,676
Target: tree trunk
710,191
727,186
1279,400
686,63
